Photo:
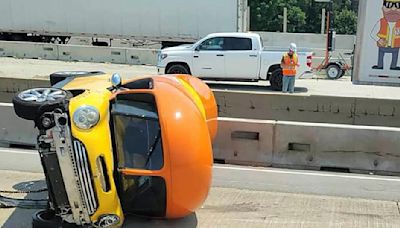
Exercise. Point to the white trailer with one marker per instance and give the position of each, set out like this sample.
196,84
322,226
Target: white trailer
158,20
378,43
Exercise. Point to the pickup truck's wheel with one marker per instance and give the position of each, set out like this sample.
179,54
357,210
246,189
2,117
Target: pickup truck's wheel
31,103
178,69
46,219
333,71
276,80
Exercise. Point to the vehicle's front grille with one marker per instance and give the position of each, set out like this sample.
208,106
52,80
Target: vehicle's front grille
84,176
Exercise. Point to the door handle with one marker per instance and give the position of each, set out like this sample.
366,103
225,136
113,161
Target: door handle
253,55
220,55
196,56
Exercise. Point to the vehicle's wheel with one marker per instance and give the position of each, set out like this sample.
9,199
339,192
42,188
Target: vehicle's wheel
333,71
276,80
46,219
31,103
343,72
178,69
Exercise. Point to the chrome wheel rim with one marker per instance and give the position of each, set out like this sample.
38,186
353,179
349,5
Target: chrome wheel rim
42,95
333,72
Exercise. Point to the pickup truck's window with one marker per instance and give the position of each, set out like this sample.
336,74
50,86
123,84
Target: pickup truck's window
212,44
137,135
237,44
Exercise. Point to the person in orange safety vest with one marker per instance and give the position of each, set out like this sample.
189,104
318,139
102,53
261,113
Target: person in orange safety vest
289,63
386,33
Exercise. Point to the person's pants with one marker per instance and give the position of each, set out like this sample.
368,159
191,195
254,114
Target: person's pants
395,56
288,84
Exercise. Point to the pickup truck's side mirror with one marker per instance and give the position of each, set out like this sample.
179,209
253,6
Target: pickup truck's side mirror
197,48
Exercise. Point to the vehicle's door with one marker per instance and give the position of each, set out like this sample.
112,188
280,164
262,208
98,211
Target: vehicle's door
209,59
139,155
241,58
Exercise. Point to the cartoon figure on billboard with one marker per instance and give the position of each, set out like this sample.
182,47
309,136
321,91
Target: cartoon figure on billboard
386,33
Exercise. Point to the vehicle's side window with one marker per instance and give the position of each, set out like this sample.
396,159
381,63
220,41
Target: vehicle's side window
212,44
238,44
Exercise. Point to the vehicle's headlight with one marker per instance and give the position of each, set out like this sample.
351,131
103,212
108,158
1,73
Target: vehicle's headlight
86,117
163,56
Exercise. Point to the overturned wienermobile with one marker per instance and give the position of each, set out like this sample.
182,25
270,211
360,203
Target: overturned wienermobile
110,148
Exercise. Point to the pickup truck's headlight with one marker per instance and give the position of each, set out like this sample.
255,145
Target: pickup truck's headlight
86,117
163,56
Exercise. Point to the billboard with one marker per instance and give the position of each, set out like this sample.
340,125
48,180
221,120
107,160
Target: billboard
378,43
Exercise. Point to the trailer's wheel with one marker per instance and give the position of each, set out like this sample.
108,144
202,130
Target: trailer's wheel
343,72
276,80
46,219
31,103
178,69
333,71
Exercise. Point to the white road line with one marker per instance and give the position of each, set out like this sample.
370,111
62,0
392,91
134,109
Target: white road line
248,169
307,173
18,151
6,104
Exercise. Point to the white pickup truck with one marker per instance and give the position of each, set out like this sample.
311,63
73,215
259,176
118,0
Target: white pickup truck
231,57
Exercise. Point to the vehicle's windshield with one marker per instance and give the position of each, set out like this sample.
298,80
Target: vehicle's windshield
137,135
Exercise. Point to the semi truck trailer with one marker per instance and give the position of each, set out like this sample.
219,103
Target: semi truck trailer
172,21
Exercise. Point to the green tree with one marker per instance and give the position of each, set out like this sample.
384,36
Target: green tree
303,15
346,22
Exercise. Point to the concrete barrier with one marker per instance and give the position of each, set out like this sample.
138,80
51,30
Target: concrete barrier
319,109
360,149
245,142
353,148
14,130
274,143
14,85
92,54
28,50
134,56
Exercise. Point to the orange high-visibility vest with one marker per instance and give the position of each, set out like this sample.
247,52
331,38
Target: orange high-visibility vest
289,65
384,33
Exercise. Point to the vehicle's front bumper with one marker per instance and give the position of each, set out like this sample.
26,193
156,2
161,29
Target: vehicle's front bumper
161,69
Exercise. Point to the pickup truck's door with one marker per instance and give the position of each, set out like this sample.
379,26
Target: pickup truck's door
241,61
209,59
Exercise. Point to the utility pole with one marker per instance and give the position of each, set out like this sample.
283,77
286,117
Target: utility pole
323,21
285,20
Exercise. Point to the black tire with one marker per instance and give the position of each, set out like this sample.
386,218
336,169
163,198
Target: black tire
276,80
333,71
46,219
61,75
343,73
178,69
31,110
